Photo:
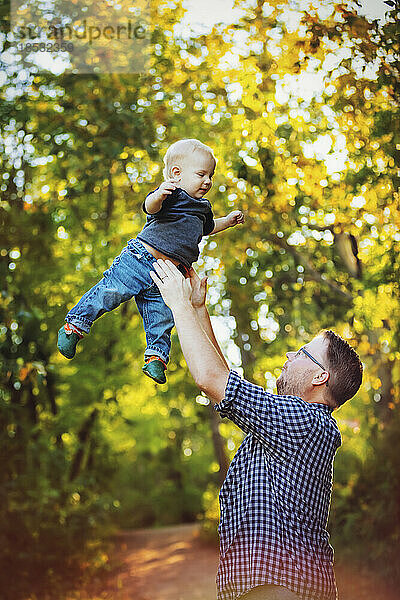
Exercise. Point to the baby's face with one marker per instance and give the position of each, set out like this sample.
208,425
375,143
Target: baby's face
196,173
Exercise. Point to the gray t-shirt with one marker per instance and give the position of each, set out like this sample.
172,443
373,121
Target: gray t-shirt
177,228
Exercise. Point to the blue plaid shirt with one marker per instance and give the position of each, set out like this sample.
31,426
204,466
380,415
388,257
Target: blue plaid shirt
276,496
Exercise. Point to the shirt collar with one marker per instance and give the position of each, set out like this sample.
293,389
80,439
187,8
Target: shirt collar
324,407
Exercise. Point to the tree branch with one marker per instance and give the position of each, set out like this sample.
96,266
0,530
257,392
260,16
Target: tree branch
314,274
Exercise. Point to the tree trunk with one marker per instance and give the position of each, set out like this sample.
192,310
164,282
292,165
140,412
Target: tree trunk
51,391
110,200
83,437
384,407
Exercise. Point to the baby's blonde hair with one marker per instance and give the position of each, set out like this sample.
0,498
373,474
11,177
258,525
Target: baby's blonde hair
180,149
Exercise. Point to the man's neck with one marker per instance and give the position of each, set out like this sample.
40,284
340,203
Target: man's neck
316,399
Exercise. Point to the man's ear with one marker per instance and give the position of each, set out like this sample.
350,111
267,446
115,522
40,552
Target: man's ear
321,378
175,172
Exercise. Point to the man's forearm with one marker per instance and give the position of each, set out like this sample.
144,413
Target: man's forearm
205,322
204,359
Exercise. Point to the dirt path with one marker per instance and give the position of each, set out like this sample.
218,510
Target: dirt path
173,563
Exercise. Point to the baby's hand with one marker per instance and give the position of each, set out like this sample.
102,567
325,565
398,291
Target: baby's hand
167,187
154,201
234,218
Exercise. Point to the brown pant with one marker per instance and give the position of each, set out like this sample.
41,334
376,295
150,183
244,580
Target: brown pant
270,592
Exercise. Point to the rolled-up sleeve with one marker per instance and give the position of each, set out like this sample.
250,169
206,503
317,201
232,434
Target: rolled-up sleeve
279,423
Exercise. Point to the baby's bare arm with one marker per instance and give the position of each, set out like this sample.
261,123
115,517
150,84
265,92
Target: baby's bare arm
234,218
153,202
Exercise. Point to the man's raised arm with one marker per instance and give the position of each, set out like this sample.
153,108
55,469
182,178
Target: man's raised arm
203,356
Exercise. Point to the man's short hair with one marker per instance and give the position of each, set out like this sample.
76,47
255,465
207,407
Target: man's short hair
177,152
345,368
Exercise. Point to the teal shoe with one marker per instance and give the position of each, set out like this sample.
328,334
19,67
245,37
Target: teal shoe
155,369
67,341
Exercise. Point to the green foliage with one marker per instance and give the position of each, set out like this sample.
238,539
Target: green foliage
371,508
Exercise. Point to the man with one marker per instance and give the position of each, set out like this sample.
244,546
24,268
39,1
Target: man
276,496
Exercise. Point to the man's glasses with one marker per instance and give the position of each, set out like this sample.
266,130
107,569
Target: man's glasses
312,358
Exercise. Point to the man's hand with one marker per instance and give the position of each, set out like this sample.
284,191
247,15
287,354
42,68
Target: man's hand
174,288
199,289
199,346
234,218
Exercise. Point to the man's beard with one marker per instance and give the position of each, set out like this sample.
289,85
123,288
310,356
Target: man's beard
287,385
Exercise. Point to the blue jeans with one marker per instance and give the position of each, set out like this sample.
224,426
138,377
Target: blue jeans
128,276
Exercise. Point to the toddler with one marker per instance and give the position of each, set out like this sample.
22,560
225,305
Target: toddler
178,216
